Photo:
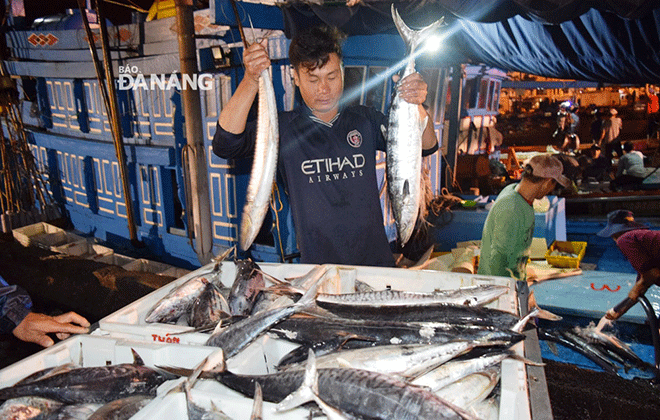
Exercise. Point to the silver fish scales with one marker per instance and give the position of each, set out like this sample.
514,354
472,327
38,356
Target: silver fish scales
469,296
404,141
264,165
357,392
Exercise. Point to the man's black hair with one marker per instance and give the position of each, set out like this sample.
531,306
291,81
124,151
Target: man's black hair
628,146
311,47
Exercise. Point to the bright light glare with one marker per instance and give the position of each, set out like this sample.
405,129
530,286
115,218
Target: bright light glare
432,44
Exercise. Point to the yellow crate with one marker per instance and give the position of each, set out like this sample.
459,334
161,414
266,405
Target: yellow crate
578,248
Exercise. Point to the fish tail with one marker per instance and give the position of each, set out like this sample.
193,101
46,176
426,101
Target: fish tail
307,389
411,37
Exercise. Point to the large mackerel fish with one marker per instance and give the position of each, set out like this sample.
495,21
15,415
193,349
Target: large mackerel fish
98,384
404,141
264,164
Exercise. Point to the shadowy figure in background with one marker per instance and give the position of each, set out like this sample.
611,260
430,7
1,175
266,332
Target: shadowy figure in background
571,140
567,122
609,138
630,172
595,166
596,126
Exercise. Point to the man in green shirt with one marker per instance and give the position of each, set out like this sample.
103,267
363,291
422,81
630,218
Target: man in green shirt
509,227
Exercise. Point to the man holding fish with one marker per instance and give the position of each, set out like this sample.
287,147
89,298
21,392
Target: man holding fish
326,150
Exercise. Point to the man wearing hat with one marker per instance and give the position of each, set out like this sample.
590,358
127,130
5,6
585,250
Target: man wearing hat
609,138
509,227
641,247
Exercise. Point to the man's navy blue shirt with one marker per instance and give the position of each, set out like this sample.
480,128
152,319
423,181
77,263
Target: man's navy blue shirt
329,170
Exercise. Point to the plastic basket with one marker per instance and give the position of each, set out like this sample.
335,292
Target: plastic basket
577,248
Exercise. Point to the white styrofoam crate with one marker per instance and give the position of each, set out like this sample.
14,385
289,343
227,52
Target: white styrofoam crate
146,266
25,234
90,351
54,240
84,248
113,259
175,272
129,322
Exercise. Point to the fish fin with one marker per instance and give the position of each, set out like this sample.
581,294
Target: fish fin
307,389
257,406
344,363
406,188
217,268
463,413
137,360
308,299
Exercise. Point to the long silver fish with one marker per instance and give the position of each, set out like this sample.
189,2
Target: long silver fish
456,370
401,360
99,384
360,393
264,165
404,141
469,296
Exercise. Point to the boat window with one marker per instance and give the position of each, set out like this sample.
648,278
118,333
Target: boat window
491,91
210,98
496,96
483,93
470,94
431,77
353,81
90,97
376,88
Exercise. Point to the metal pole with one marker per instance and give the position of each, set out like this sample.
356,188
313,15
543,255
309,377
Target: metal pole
115,121
192,111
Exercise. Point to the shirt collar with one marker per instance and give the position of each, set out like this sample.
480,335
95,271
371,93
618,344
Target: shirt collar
314,118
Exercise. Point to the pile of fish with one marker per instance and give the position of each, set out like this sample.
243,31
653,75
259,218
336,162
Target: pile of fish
69,392
378,354
603,349
435,354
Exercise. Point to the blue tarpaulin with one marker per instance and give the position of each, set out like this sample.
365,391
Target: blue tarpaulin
606,41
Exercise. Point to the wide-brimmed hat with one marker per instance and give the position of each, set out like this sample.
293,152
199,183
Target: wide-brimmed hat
620,221
548,166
